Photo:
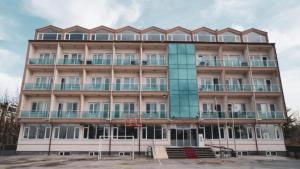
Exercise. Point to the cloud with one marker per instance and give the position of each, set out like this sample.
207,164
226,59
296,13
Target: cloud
86,13
10,62
9,83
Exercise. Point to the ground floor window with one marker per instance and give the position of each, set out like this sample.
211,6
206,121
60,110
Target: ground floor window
229,131
36,131
66,132
268,131
91,131
154,132
124,132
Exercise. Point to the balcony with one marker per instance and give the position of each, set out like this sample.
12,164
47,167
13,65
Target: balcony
204,38
102,36
72,87
242,115
49,36
212,115
154,87
271,115
239,88
97,87
212,88
41,61
154,115
76,36
266,88
179,37
210,62
34,114
127,62
229,38
69,61
95,115
153,37
99,62
125,87
154,62
128,36
263,63
65,114
235,63
125,115
37,86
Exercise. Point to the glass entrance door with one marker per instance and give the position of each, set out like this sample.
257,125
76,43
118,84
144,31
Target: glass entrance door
183,137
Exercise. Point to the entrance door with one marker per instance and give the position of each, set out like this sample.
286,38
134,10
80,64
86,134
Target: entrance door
183,137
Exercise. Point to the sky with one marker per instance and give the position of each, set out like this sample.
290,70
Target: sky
20,18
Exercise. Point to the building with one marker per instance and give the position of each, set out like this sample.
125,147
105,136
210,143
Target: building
163,87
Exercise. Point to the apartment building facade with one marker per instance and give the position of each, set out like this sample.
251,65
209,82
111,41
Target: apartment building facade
85,87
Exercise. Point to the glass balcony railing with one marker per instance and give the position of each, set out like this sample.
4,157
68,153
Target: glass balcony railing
102,36
153,37
95,114
242,115
41,61
154,87
127,62
235,63
266,88
210,62
69,61
125,115
65,114
49,36
263,63
37,86
239,88
154,62
76,36
212,88
34,114
179,37
154,115
97,87
271,115
67,86
212,115
204,38
99,62
125,87
128,36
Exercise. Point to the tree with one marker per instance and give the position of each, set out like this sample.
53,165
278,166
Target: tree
292,129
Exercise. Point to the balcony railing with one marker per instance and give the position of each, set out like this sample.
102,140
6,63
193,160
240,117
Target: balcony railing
97,87
212,88
37,86
128,36
242,115
125,87
239,88
127,61
235,63
95,114
204,38
154,62
60,86
153,37
41,61
102,36
179,37
65,114
69,61
210,62
154,87
212,115
76,36
125,115
263,63
154,115
271,115
49,36
99,62
266,88
34,114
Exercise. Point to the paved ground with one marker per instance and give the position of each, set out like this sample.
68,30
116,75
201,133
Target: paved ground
84,162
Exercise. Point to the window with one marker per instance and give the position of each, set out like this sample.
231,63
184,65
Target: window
268,132
124,132
229,37
102,36
33,131
254,37
204,37
242,132
95,131
154,132
66,132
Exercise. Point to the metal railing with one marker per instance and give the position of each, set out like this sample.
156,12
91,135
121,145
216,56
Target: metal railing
263,63
60,86
102,36
239,88
49,36
125,114
212,115
65,114
99,62
235,63
69,61
37,86
95,114
242,115
271,115
41,61
266,88
154,87
153,37
212,88
96,87
34,114
128,36
125,87
210,62
154,115
76,36
154,62
127,62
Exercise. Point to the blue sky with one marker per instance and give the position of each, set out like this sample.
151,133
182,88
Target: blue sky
19,19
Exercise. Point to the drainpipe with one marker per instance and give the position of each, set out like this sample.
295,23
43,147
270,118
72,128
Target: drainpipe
50,141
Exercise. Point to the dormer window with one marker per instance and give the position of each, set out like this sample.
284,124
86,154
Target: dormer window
49,34
179,36
76,35
254,37
128,36
204,37
153,35
229,37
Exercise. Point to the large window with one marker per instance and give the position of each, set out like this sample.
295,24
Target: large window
254,37
268,132
66,132
95,131
229,37
36,131
154,132
124,132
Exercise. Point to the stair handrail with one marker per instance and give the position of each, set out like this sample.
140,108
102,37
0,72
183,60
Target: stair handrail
233,153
